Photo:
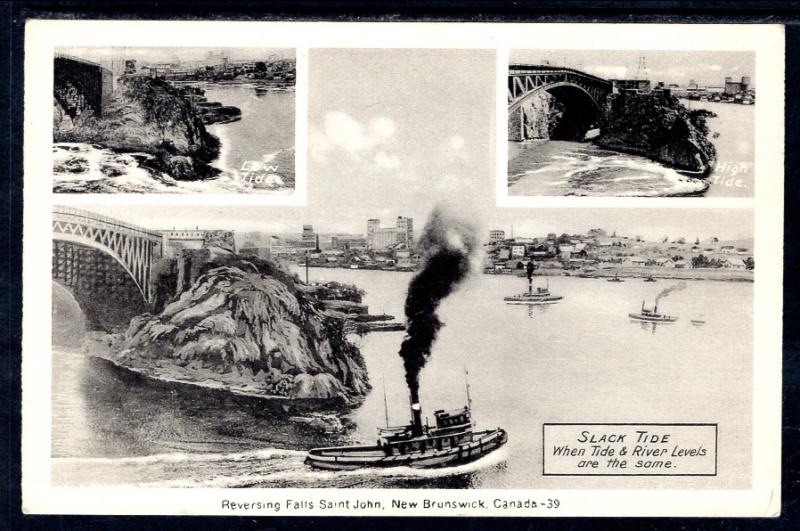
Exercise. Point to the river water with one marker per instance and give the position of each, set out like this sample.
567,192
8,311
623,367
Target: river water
575,168
265,133
581,361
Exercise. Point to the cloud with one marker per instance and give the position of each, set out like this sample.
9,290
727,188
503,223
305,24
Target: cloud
344,131
383,160
342,140
382,127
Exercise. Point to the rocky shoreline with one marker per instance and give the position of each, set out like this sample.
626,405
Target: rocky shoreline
659,128
244,326
158,122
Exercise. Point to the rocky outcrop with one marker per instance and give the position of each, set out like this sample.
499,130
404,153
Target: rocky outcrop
535,118
150,116
253,333
660,128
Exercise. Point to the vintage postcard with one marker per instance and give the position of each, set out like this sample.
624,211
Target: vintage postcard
444,325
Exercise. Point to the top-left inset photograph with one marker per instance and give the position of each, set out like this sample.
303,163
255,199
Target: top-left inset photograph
174,120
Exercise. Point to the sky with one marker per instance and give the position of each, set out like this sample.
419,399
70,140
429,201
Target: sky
705,67
104,55
397,132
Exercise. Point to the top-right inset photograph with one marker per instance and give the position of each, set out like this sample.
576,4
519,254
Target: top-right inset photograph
627,123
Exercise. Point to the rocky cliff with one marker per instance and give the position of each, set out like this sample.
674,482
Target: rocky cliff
150,116
660,128
240,329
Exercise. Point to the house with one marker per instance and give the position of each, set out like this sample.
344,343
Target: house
734,263
634,261
664,262
727,249
682,264
504,254
517,251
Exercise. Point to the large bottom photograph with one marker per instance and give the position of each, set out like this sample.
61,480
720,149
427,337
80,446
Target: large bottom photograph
257,349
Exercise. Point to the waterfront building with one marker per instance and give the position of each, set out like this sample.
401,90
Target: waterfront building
308,237
379,237
630,85
176,240
736,87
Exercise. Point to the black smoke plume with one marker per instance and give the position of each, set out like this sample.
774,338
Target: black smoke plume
665,292
447,245
529,269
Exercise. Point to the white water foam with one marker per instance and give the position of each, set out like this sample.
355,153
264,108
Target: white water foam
306,474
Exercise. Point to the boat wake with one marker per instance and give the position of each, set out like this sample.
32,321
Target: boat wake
255,468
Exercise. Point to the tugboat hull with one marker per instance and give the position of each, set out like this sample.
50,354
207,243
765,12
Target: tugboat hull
648,319
354,457
515,300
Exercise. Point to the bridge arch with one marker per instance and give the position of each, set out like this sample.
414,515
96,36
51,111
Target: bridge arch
565,102
105,262
80,86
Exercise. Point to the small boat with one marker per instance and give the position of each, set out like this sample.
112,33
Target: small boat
615,278
652,316
650,279
451,442
539,296
697,322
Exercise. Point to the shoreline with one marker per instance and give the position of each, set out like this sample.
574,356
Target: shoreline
716,275
284,404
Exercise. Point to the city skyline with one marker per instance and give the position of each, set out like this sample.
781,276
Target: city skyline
707,68
650,224
104,55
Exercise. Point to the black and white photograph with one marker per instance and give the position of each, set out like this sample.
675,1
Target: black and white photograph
424,355
631,123
131,120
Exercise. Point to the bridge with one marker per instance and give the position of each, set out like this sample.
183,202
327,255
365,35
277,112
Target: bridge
553,102
106,263
81,86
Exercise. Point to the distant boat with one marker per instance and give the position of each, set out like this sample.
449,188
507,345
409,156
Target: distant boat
652,316
650,279
539,296
615,278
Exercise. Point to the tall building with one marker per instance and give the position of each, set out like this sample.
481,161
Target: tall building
736,87
382,237
309,238
405,230
497,235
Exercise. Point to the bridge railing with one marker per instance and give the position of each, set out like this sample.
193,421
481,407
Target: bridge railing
523,69
88,216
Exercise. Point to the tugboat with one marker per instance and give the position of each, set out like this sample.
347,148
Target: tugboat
451,442
539,296
652,316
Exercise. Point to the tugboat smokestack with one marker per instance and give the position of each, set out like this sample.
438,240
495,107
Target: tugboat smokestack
416,419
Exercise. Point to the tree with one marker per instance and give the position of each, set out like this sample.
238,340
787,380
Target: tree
749,263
